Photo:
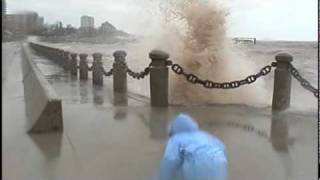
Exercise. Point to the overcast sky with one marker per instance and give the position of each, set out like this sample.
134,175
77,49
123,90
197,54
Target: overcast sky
264,19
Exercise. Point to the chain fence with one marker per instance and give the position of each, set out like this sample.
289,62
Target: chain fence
304,83
221,85
138,75
194,79
107,73
90,68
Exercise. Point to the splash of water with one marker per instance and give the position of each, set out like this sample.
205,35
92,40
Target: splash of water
194,33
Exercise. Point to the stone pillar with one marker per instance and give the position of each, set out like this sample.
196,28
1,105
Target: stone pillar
74,64
282,82
97,69
159,78
66,61
83,70
120,78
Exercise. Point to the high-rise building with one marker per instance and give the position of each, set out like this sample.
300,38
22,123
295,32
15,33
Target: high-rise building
87,21
4,12
25,22
4,7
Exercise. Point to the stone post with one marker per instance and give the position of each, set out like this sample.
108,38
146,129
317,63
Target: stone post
282,82
66,61
97,69
120,78
74,64
83,67
159,78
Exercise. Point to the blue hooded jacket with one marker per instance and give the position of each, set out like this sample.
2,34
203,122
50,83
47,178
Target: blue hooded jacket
192,154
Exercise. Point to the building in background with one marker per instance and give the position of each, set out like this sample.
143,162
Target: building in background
107,28
4,7
4,12
87,26
87,22
24,22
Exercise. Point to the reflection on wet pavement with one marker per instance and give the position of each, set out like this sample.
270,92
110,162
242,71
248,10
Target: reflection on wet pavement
279,131
102,141
50,150
97,95
120,114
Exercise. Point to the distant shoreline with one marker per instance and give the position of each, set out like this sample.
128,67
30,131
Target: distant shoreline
101,39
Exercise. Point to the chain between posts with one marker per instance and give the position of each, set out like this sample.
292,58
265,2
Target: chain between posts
107,73
304,83
89,68
138,75
223,85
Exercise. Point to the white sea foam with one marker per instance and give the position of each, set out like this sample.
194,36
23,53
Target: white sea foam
194,33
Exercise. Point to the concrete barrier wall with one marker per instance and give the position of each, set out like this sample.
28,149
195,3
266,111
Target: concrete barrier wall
54,54
43,106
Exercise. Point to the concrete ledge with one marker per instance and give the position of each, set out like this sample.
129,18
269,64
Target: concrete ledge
43,106
53,54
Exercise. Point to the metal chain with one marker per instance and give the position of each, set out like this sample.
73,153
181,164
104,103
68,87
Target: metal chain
139,75
304,83
224,85
90,68
109,73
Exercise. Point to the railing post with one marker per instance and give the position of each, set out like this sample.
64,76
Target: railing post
97,69
66,61
120,78
159,78
83,67
74,64
282,82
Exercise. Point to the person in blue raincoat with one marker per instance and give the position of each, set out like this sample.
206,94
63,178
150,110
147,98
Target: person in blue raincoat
192,154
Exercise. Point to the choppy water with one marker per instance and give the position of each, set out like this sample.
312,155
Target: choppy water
263,53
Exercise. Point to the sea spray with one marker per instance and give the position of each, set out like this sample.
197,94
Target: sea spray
194,33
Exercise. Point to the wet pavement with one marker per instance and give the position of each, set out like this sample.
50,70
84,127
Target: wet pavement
101,141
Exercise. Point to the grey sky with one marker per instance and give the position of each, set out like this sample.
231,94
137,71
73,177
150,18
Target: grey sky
264,19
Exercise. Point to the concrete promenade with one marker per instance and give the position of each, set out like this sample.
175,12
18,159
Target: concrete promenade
101,141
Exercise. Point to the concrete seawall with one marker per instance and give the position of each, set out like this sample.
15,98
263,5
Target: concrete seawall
43,106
